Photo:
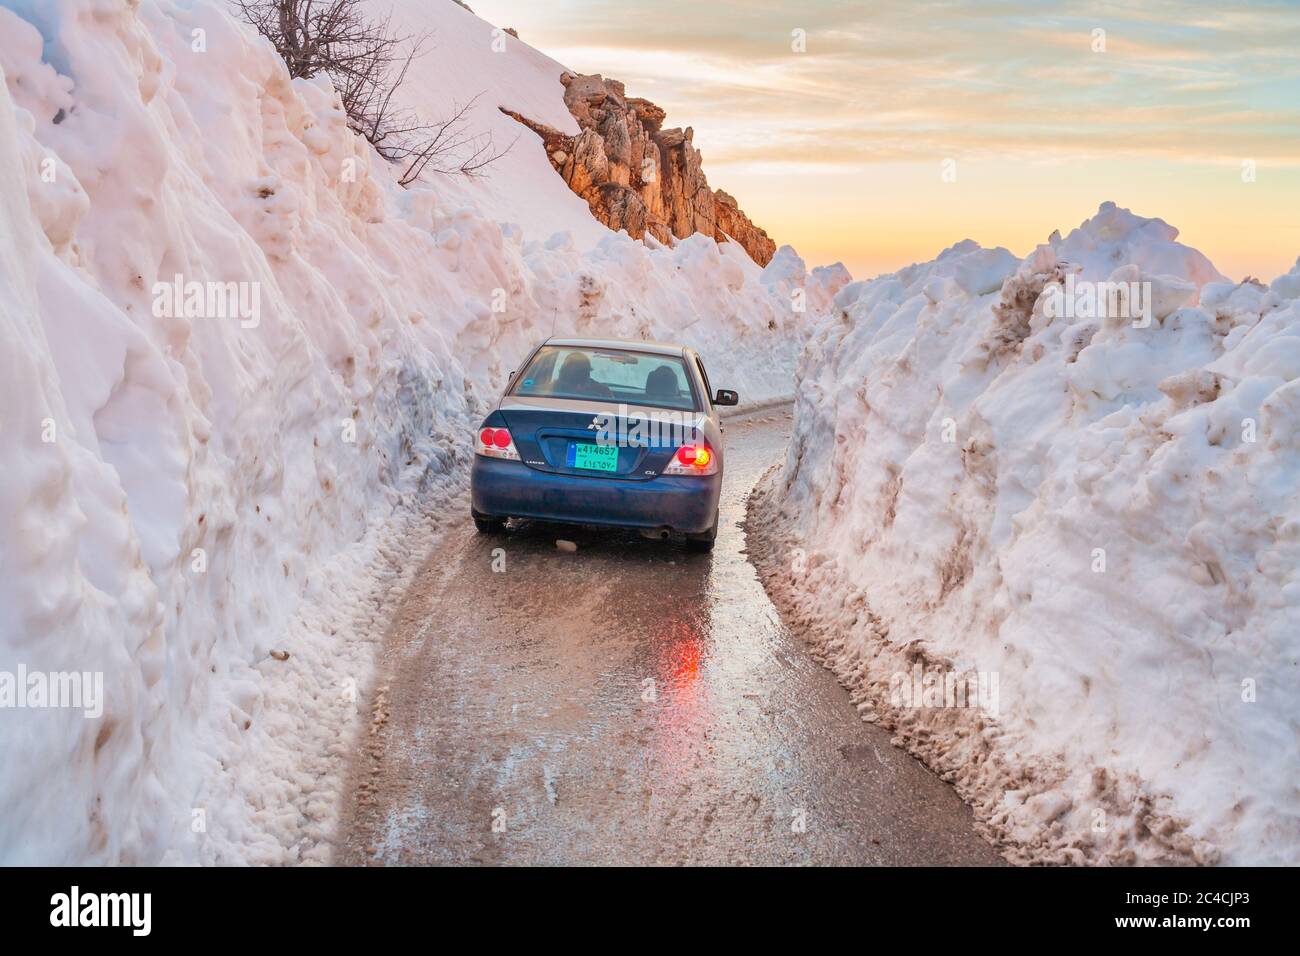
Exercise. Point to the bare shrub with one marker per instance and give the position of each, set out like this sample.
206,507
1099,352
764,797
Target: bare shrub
367,60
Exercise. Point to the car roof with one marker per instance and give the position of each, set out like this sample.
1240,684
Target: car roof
632,345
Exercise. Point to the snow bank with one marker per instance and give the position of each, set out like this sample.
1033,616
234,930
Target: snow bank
201,478
811,293
1100,513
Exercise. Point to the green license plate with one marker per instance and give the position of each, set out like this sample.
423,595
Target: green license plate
593,457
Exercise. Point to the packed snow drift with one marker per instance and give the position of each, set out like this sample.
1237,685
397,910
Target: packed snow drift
242,366
1071,479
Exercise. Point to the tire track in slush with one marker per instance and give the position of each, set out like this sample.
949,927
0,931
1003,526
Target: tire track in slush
626,703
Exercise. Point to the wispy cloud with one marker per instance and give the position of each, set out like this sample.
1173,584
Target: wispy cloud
987,78
897,81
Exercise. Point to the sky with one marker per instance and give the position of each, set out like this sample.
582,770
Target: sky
879,133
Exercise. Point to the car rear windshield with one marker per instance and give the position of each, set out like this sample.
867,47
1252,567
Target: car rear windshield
607,375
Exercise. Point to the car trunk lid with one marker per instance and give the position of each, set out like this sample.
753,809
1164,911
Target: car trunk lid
559,435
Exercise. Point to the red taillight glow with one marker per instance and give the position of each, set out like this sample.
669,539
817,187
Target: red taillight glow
694,456
496,443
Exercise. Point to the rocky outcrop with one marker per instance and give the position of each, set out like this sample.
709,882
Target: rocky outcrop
638,176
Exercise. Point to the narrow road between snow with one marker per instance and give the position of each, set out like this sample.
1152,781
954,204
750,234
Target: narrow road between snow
627,703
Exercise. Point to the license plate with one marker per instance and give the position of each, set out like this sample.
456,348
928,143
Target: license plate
593,457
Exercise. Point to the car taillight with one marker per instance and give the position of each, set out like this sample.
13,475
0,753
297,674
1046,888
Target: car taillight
696,459
497,443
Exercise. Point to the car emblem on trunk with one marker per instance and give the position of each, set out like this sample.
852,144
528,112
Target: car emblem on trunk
601,422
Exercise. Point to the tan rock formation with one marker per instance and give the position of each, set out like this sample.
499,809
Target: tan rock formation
638,176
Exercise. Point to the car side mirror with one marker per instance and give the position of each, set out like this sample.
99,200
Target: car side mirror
726,396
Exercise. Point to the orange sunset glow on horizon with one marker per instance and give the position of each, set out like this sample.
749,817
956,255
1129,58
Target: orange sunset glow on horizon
879,134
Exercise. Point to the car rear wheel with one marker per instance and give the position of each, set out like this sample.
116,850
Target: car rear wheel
703,542
486,525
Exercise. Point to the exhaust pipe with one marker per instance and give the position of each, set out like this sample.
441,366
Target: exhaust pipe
656,534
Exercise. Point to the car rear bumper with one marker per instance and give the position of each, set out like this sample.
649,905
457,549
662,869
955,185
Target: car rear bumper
510,489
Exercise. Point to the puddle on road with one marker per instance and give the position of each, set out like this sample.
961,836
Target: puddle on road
631,702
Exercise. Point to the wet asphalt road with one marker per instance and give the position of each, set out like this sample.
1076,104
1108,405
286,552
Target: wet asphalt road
628,703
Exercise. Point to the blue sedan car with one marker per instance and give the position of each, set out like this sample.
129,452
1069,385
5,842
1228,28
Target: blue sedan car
604,432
